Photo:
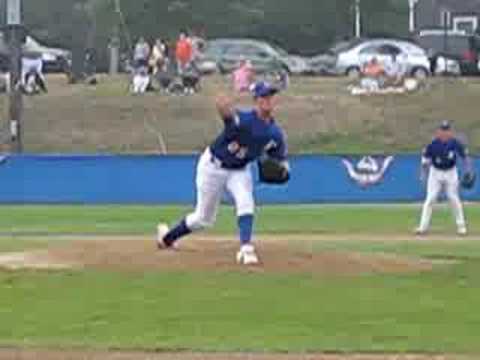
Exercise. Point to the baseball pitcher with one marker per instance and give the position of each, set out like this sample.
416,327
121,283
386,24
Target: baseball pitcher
225,165
440,162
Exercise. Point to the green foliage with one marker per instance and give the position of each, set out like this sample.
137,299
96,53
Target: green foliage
389,19
305,26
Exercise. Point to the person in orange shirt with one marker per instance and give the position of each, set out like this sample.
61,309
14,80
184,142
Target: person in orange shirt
373,76
183,52
373,69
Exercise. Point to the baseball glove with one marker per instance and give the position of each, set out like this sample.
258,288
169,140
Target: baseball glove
468,180
272,171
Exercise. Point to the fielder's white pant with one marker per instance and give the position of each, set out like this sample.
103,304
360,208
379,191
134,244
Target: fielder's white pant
212,180
439,180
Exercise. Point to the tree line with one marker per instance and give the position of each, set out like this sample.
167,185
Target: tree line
300,26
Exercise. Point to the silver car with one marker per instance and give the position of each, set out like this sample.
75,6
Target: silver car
225,55
350,61
54,59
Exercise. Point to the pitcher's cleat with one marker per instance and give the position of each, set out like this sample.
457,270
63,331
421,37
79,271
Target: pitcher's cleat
420,232
462,231
162,231
247,256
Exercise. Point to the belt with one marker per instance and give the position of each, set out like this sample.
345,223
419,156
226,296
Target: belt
216,161
444,169
219,163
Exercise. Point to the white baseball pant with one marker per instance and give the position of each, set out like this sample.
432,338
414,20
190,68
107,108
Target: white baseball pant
442,180
211,181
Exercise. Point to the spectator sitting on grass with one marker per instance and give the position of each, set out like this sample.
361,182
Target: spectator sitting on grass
373,69
191,78
373,76
141,80
395,72
243,76
164,76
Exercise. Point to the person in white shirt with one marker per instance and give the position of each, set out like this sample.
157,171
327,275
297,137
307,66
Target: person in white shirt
158,59
32,73
395,71
141,53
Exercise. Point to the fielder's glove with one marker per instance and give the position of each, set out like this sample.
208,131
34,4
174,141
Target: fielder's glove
468,180
272,171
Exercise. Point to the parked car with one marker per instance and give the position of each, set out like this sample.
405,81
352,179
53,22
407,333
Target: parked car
322,64
349,58
444,65
208,60
225,55
54,59
452,45
325,64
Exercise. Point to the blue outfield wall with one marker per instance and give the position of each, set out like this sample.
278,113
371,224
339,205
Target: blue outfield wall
170,180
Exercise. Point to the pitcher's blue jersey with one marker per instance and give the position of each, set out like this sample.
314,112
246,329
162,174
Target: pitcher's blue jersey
245,138
443,155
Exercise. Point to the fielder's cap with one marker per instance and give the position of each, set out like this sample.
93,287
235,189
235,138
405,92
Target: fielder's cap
263,89
445,125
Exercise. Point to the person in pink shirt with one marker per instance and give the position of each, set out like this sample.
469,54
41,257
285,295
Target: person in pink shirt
243,77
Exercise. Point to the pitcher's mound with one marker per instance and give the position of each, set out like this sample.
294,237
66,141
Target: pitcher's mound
210,254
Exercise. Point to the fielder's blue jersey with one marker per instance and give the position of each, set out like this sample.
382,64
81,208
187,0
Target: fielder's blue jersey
246,138
443,155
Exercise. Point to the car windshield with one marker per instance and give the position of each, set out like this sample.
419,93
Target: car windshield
280,51
33,42
215,48
341,46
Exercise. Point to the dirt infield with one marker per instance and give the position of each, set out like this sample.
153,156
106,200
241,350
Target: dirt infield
14,354
286,254
209,254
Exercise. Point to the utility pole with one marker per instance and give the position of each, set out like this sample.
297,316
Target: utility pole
16,37
115,42
358,19
78,30
411,24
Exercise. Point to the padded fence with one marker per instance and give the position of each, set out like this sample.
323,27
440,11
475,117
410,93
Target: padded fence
170,180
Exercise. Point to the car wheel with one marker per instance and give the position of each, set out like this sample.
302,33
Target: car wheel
420,73
353,73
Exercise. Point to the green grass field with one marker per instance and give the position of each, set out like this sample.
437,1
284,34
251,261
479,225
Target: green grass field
319,115
306,219
427,312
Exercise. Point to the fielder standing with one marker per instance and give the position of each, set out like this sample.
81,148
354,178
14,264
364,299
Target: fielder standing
225,165
439,161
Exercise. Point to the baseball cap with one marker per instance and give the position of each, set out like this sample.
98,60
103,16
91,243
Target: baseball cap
263,89
445,125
